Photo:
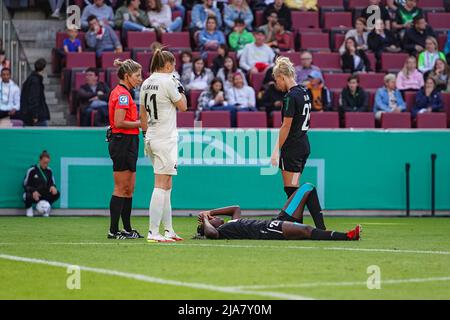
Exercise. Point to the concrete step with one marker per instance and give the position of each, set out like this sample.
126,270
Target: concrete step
41,29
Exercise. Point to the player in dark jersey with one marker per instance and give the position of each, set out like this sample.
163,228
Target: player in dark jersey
292,149
287,226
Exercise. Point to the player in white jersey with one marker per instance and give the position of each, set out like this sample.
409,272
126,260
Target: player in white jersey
161,95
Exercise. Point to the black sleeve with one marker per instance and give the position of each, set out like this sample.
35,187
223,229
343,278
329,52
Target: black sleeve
345,105
51,179
33,98
366,60
290,105
408,42
26,183
398,18
326,99
365,102
373,42
347,63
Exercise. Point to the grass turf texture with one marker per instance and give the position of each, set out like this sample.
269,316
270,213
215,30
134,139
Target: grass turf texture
299,268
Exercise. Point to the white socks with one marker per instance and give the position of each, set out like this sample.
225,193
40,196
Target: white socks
156,209
167,213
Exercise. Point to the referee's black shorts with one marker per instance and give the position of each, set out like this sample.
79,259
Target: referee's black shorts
292,160
123,150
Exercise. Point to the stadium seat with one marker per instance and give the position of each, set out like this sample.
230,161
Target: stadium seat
335,80
256,80
256,119
315,42
185,119
80,79
276,119
432,120
216,119
107,59
361,120
410,99
113,79
144,58
176,40
442,41
338,40
259,18
80,60
193,99
431,4
324,120
357,4
446,99
331,5
393,62
396,120
371,80
372,60
293,56
136,39
337,20
303,20
327,61
440,21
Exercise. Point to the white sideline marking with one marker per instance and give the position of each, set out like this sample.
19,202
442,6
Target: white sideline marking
141,277
126,243
342,284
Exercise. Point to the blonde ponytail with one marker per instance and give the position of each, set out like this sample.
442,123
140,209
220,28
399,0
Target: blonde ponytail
284,66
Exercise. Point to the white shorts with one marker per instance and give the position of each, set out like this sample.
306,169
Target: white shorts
163,154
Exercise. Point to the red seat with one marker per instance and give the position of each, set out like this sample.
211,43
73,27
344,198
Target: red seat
410,100
144,58
442,41
193,99
324,120
373,61
393,62
337,20
430,4
293,56
259,18
339,39
251,119
358,4
446,99
185,119
335,80
302,19
216,119
331,4
113,79
80,60
315,41
396,120
80,79
327,61
136,39
371,80
432,121
276,119
362,120
256,80
176,40
439,20
109,57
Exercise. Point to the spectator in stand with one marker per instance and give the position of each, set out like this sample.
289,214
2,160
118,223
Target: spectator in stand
201,12
39,184
226,73
4,63
101,38
391,7
160,17
176,6
93,96
374,5
237,9
213,99
415,37
303,5
381,40
306,67
446,49
210,38
55,6
33,107
428,99
200,77
353,98
99,9
441,75
428,58
354,60
359,34
388,98
186,63
320,95
72,43
282,11
256,57
272,99
9,99
283,39
409,78
269,27
130,18
241,97
240,37
405,15
219,60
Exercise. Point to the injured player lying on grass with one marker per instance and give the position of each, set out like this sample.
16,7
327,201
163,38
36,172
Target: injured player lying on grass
288,225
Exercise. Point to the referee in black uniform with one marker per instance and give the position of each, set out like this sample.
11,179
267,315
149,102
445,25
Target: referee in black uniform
292,150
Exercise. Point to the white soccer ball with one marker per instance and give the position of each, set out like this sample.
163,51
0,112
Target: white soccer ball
43,207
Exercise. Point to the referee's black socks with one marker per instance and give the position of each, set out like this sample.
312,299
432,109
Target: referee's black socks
126,214
116,206
317,234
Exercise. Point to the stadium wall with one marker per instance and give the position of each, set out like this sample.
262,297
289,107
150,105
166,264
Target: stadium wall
353,170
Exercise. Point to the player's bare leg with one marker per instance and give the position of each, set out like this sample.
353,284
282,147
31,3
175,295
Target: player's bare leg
296,231
291,182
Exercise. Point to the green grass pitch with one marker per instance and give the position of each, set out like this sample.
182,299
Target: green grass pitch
413,256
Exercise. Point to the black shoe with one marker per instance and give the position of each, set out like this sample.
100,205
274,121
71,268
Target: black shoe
133,234
117,236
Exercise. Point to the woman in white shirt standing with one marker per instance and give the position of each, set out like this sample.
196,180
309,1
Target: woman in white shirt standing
160,16
241,97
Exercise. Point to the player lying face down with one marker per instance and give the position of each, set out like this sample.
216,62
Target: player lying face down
288,225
